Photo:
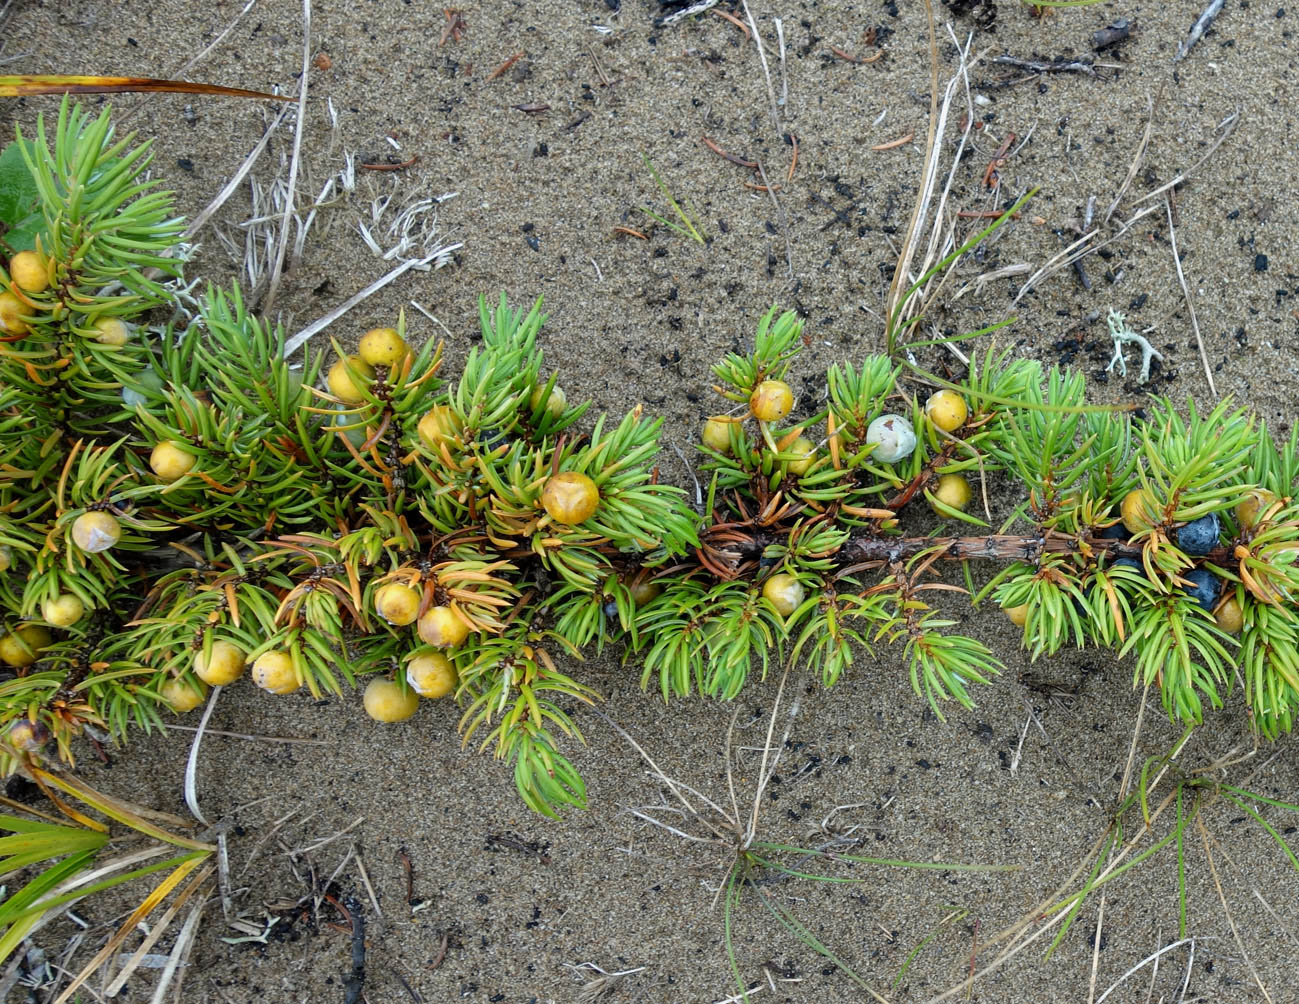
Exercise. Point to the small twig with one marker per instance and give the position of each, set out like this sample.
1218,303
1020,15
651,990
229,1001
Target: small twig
893,144
441,955
676,17
454,29
255,738
752,165
1084,66
726,15
391,167
630,232
848,57
1202,24
354,984
504,66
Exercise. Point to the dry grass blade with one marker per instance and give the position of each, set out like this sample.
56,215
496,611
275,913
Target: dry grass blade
1231,920
1186,292
24,85
295,162
1154,958
191,762
179,955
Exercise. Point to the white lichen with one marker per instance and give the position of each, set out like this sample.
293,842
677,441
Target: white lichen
1121,335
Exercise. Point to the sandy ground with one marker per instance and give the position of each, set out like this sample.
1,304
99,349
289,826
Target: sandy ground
518,900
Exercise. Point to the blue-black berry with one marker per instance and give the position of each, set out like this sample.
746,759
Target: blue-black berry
1131,563
1203,588
1200,536
1116,532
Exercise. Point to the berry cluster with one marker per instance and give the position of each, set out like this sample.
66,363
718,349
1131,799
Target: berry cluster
183,505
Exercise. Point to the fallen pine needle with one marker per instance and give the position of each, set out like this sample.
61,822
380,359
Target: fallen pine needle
895,143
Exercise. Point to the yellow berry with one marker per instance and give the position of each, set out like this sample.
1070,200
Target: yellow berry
1229,617
22,646
441,627
225,665
1018,615
183,695
556,402
947,410
274,671
431,675
952,491
343,376
717,434
805,450
27,736
397,603
771,400
171,461
1135,510
439,425
387,701
111,331
12,310
95,531
784,592
382,347
643,591
63,610
1253,506
29,272
570,497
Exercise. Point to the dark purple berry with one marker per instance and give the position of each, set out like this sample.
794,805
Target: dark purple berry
1131,563
1116,532
1203,588
1199,536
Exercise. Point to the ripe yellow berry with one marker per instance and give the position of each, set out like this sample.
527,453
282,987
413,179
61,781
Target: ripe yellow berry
947,410
556,402
1018,615
570,497
1229,617
12,310
29,272
431,675
225,665
112,331
441,627
805,450
1253,506
27,736
387,701
183,695
953,491
643,591
95,531
274,671
63,610
171,461
343,384
382,347
717,434
784,592
439,425
397,603
1134,510
771,400
22,646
